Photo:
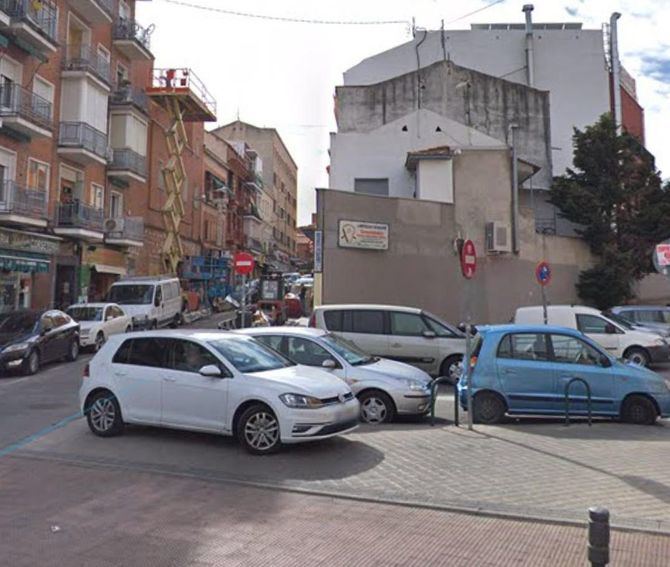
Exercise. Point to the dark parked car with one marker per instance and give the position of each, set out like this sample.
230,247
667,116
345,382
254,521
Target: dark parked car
31,338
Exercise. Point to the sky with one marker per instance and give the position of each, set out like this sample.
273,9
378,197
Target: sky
283,74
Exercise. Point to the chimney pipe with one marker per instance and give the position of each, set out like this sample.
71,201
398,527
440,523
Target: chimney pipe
530,59
616,70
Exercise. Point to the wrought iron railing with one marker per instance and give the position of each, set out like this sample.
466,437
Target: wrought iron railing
79,215
127,159
125,228
125,28
127,94
79,57
18,101
82,135
41,15
19,200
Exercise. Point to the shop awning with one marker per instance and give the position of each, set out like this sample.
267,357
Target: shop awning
23,262
106,269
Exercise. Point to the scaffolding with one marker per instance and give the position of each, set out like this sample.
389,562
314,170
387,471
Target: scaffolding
185,99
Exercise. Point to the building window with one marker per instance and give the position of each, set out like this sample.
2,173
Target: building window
43,89
115,205
38,175
372,186
97,197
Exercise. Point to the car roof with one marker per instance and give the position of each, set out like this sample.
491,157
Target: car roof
93,304
582,308
640,307
510,328
373,306
197,334
297,331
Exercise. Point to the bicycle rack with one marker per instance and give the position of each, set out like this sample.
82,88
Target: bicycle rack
433,397
567,398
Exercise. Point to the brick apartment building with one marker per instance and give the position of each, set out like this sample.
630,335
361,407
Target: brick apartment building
83,149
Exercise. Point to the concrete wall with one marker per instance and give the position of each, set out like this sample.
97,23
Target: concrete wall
568,63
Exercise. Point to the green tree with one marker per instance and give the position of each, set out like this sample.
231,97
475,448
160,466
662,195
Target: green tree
616,195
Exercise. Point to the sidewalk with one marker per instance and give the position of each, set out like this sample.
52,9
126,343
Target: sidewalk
104,517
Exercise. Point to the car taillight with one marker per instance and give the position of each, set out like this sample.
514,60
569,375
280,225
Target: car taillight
312,320
473,361
87,372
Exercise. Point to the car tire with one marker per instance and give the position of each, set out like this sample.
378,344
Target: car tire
103,415
31,364
376,407
449,367
99,341
488,408
637,356
639,410
258,430
73,351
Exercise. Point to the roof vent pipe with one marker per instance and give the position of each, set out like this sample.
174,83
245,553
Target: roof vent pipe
530,63
616,70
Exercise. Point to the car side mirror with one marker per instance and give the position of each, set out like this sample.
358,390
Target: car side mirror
109,317
211,371
605,362
329,364
610,329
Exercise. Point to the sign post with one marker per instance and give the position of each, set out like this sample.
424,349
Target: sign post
468,268
243,264
543,277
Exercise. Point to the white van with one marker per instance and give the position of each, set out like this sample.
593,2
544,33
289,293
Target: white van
152,302
618,338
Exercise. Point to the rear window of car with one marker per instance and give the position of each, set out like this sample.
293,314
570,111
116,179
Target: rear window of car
333,320
149,351
367,322
524,346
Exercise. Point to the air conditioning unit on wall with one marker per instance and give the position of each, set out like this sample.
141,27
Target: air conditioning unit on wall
114,225
498,238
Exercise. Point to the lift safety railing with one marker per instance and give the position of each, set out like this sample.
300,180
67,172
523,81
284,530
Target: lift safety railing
567,398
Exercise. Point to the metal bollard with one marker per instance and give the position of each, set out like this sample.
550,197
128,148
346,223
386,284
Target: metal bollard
599,536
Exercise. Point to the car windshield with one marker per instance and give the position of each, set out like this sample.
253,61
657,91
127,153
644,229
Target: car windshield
619,320
85,313
131,294
348,350
18,322
249,356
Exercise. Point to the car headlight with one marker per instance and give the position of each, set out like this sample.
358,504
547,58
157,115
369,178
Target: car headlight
17,347
416,385
301,402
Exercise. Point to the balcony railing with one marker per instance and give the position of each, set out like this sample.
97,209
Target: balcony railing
130,29
125,228
128,160
82,135
79,215
127,94
254,244
18,200
41,15
180,79
86,58
17,101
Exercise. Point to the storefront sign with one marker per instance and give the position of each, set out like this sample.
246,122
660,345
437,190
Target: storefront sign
364,235
28,242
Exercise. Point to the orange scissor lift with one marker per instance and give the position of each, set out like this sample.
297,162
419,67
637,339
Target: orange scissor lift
185,99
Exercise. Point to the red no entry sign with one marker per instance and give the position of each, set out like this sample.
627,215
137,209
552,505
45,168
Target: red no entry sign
468,259
243,263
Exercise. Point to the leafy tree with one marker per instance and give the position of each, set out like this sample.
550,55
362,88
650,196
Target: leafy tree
616,195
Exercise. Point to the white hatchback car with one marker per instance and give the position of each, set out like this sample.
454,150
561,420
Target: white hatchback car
385,388
98,322
215,382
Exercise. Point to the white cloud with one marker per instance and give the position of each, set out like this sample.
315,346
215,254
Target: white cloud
283,74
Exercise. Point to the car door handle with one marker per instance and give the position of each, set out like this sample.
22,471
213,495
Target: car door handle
509,371
119,373
169,379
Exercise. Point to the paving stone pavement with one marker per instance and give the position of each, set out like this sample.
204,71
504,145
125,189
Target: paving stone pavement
531,468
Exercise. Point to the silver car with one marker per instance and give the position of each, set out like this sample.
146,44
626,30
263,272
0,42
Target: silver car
384,388
652,318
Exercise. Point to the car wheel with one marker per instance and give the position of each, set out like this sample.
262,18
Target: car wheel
488,408
376,407
73,351
258,430
637,356
639,410
452,366
99,341
103,414
31,364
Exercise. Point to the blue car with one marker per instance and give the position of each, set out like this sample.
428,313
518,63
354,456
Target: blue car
524,369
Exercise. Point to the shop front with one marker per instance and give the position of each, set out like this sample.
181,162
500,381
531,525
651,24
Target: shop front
100,268
25,259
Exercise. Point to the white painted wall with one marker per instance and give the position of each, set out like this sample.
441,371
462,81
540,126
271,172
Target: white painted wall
435,180
383,152
568,63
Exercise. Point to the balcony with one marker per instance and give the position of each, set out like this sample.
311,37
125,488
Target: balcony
25,112
127,95
183,84
254,244
79,221
131,39
84,60
22,206
125,231
96,11
5,18
82,143
255,183
35,23
128,164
